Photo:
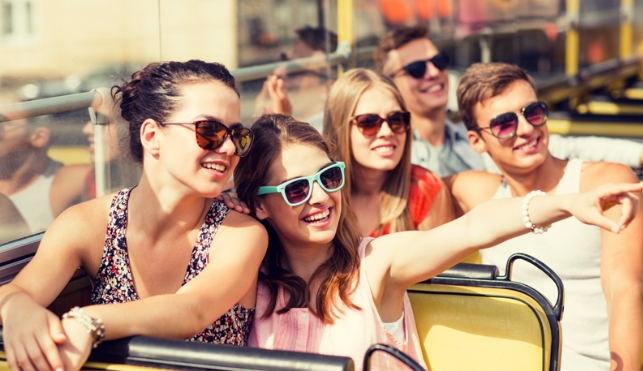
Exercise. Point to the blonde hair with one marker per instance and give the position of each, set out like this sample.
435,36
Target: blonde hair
342,100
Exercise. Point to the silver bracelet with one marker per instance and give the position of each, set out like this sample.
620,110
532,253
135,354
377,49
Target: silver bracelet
94,326
525,213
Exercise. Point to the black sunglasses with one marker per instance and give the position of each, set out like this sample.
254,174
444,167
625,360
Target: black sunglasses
505,126
370,123
211,134
417,69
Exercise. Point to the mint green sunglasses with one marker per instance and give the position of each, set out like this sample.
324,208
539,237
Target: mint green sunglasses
297,191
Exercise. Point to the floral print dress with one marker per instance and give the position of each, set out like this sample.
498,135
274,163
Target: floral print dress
114,282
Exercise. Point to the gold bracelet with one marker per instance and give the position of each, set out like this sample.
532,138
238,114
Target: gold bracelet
94,326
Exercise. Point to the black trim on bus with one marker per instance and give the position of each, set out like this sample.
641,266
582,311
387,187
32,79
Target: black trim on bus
190,356
394,352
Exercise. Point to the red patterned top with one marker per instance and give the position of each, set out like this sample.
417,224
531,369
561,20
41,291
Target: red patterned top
114,282
424,188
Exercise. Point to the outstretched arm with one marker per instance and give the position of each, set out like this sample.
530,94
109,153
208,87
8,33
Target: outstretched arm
429,253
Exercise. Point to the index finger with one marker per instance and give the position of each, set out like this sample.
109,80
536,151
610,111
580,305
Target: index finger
628,210
51,355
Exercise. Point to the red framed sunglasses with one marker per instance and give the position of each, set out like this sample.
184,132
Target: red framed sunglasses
371,123
211,134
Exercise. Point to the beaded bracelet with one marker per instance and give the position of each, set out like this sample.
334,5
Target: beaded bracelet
95,326
525,213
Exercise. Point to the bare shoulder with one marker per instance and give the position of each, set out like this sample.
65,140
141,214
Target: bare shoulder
472,187
240,227
595,174
237,219
81,222
78,234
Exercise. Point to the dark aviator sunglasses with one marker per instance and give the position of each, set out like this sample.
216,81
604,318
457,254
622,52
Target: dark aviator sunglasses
371,123
211,134
505,126
417,69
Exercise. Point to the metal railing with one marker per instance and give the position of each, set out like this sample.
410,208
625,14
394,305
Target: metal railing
341,55
94,98
556,89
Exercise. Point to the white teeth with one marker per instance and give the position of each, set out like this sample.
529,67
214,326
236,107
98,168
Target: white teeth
217,167
318,216
385,149
434,88
529,145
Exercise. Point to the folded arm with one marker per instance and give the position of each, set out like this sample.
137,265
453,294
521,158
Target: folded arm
622,278
592,148
235,256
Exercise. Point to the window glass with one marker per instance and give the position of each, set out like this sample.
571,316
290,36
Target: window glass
599,26
637,23
54,49
296,29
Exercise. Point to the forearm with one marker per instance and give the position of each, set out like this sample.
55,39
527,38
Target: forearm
626,329
11,295
172,316
508,222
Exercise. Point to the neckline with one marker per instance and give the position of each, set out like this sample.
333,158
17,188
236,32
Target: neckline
125,217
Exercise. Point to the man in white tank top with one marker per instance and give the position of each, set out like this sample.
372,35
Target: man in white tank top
39,187
601,270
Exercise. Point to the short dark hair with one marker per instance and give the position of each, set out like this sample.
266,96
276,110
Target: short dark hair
315,38
395,39
154,93
482,81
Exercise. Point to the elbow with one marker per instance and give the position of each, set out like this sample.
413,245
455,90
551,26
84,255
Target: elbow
625,291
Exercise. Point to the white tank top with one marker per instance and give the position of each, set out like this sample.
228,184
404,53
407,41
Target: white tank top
33,202
573,250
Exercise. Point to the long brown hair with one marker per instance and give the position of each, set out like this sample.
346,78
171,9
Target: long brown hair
343,98
341,271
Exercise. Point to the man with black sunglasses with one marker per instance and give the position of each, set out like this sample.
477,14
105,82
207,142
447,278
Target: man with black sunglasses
601,270
419,70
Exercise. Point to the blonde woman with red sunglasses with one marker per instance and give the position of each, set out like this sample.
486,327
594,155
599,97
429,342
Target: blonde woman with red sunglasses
367,122
175,262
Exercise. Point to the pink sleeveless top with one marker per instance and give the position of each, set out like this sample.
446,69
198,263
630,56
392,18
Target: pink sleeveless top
351,334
